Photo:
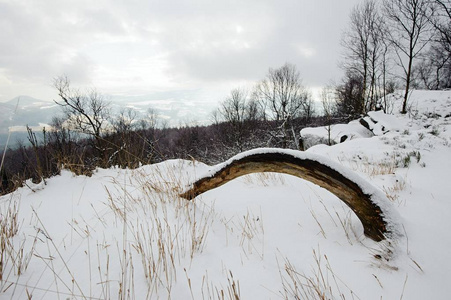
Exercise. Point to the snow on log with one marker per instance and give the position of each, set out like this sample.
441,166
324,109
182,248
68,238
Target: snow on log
371,206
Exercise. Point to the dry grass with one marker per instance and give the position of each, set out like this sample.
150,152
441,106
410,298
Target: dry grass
161,233
211,291
265,179
251,234
322,284
161,236
165,231
392,192
386,166
15,254
363,165
340,217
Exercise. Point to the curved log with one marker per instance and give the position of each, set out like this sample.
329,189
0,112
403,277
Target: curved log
309,167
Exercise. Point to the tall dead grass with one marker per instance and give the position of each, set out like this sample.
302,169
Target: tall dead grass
164,230
322,283
15,252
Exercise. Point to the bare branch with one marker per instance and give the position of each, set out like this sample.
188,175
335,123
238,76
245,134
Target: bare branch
85,112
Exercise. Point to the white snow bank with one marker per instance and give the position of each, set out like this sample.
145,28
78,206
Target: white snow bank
385,122
423,108
312,136
422,102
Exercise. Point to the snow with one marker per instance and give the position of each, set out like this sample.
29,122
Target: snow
97,237
320,135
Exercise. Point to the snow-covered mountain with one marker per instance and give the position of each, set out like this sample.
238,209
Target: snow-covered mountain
172,109
25,110
127,234
20,111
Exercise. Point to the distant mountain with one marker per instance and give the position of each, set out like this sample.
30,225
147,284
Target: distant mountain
176,108
30,111
22,111
26,101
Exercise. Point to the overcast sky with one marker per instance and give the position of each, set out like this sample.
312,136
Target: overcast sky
139,47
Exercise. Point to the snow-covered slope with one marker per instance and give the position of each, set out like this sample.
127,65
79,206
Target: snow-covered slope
421,105
263,236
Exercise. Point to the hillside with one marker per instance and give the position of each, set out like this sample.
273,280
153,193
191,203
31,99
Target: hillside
127,233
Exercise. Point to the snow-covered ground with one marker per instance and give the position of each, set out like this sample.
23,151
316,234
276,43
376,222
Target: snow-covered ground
126,233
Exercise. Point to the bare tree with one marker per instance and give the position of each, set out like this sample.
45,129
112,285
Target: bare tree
380,62
215,117
126,120
434,70
441,20
150,133
356,42
349,96
410,33
241,115
328,101
386,83
284,97
233,109
309,110
85,112
152,120
366,52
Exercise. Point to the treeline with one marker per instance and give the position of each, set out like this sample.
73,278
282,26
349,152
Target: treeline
391,44
132,147
271,114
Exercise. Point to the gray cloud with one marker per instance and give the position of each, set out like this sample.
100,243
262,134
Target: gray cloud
141,46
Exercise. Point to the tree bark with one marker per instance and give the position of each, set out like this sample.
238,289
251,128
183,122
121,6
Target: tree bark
369,213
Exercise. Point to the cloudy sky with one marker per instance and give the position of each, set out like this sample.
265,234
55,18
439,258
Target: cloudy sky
139,47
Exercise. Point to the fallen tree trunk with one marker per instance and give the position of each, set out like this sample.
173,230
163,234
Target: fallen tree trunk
309,167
